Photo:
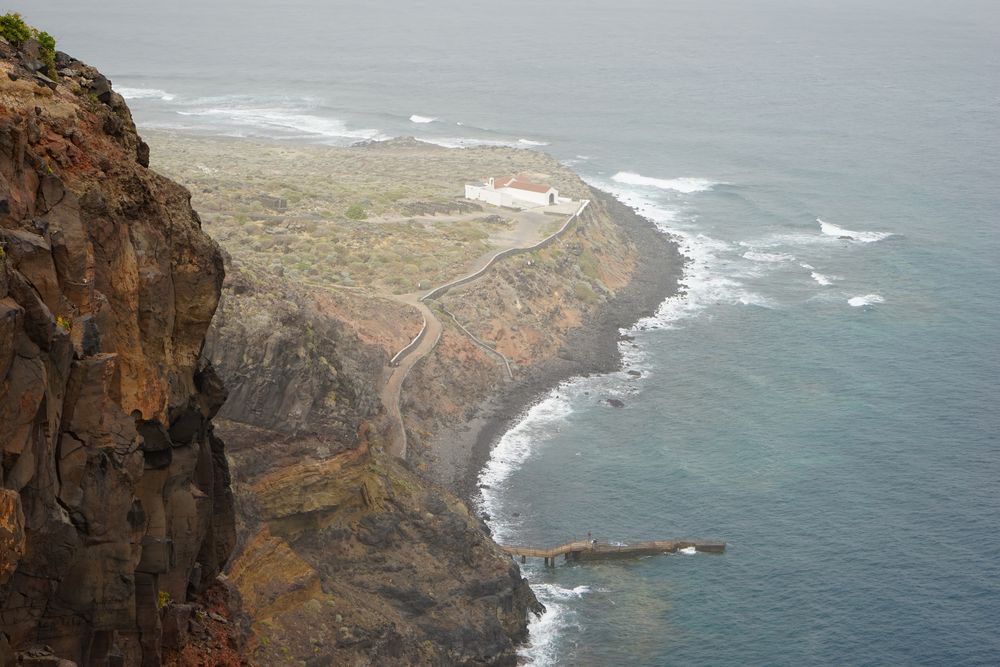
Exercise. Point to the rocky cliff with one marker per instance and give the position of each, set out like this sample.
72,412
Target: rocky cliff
345,555
114,491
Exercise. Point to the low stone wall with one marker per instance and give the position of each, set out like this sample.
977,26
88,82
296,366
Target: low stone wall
413,343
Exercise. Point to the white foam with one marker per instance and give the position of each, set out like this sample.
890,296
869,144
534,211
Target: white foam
467,142
288,121
145,94
687,551
831,229
530,142
768,257
754,299
514,448
555,592
684,185
821,279
544,631
866,300
708,279
421,119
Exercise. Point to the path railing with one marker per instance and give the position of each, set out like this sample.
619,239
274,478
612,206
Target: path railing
413,343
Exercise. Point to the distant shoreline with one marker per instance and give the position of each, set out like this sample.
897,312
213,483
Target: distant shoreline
591,348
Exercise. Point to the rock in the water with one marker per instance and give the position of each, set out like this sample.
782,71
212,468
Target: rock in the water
615,403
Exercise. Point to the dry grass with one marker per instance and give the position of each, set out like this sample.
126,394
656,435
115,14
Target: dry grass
419,230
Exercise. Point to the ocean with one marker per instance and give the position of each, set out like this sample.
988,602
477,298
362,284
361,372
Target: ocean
823,395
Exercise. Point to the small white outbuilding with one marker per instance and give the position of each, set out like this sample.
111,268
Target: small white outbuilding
513,191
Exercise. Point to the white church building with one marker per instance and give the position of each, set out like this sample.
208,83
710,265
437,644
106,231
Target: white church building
514,192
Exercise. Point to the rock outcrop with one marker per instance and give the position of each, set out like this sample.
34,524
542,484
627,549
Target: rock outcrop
345,556
291,363
114,491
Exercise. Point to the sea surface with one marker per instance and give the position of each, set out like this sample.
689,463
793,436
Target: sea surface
823,396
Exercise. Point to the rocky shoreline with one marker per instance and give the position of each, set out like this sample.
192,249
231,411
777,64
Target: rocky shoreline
592,348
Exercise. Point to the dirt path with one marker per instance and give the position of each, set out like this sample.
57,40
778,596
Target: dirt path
526,234
393,388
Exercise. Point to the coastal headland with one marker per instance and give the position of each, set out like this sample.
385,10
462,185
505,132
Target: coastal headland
328,251
298,280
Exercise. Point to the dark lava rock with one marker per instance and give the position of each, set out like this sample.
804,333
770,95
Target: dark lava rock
101,88
615,403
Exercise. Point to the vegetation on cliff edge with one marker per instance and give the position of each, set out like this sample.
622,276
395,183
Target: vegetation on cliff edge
17,32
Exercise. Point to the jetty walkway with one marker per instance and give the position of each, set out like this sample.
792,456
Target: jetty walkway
591,550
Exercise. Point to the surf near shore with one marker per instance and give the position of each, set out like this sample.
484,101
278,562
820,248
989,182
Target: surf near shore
595,347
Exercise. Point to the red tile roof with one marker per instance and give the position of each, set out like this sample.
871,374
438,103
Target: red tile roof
519,183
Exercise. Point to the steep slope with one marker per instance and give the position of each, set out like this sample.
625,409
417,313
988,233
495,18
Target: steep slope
345,555
114,491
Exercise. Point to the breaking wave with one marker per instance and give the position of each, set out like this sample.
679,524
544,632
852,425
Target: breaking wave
683,185
708,278
421,119
514,448
531,142
821,279
866,300
543,633
770,257
467,142
291,122
145,94
831,229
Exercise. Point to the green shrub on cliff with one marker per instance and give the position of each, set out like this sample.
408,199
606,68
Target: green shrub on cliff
14,29
17,32
48,48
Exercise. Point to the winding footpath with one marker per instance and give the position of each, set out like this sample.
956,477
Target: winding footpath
427,339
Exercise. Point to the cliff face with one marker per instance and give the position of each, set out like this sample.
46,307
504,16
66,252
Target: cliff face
291,363
114,491
345,555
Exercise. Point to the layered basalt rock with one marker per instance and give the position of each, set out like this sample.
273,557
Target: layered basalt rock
345,555
114,490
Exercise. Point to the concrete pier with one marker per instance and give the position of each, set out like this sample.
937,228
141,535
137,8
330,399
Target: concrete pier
595,550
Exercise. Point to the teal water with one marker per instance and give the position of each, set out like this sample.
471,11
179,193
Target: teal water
827,406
